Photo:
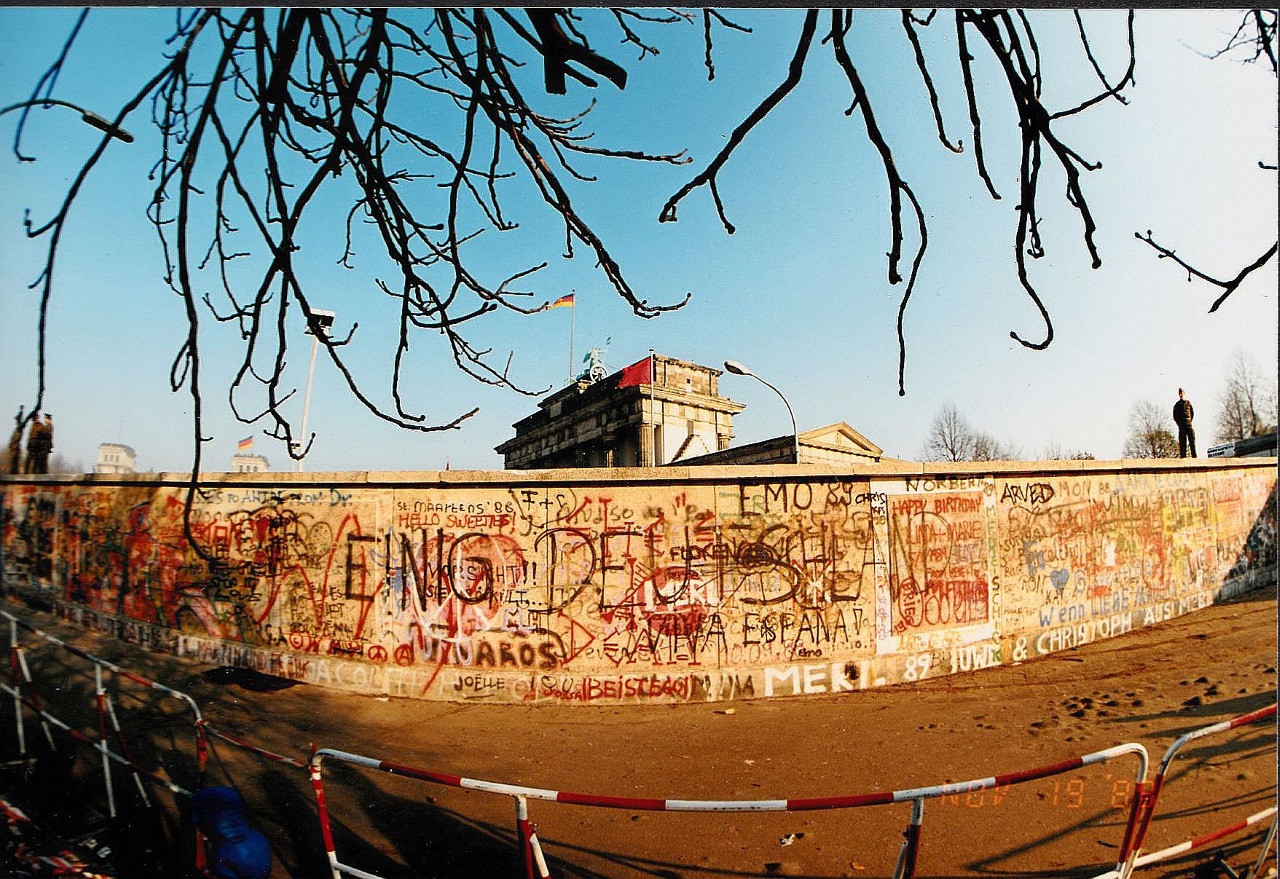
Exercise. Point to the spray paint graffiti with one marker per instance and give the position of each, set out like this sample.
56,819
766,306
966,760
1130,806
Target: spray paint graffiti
938,571
617,592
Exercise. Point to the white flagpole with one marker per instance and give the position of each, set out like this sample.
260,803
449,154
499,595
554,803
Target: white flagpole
573,306
653,432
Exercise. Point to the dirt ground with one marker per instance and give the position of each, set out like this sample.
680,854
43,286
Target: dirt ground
1148,687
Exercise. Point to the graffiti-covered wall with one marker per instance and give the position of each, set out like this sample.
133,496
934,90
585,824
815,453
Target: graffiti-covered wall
695,584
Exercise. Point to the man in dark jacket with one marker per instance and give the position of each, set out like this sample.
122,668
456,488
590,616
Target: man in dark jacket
15,443
1182,415
40,444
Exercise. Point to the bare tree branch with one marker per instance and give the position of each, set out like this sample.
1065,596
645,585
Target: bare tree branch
284,104
1228,286
707,176
1257,32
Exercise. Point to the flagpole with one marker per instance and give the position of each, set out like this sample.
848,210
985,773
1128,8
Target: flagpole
573,307
653,433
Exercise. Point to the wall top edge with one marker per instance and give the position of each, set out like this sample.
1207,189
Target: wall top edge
783,472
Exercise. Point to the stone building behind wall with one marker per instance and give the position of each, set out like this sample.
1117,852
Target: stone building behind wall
115,458
658,411
836,445
247,462
670,416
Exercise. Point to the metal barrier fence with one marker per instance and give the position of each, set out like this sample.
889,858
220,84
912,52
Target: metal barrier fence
1146,801
1142,809
532,850
22,690
25,694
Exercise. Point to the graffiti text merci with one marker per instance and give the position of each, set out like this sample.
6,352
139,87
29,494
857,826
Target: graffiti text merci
833,678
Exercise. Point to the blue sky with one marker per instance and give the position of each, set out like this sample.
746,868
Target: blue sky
799,293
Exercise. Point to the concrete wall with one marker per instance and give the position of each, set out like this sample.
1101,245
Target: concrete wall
667,585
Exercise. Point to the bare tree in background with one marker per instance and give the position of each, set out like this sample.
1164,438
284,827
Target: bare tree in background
987,448
1149,434
950,436
1247,406
1055,452
1254,40
59,463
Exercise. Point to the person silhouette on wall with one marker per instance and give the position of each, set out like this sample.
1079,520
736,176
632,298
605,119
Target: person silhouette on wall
1182,415
15,443
40,444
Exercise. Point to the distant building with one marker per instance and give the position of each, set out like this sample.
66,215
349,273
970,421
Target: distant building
115,458
672,416
249,463
658,411
836,445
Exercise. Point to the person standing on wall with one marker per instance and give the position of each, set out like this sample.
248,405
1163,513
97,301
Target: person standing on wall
40,444
1182,415
48,441
15,443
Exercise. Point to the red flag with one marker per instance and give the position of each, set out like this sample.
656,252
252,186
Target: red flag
565,301
640,373
245,444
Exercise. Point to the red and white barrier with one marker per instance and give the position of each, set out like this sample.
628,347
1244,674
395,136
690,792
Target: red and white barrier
1147,799
1142,809
533,854
1208,839
147,683
97,745
254,749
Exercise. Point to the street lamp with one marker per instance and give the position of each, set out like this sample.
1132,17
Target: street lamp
737,368
88,116
317,326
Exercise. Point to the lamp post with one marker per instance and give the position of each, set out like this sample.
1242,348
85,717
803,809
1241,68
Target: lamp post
317,326
88,116
737,368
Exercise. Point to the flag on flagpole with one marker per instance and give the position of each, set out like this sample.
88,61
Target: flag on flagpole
245,444
638,373
563,302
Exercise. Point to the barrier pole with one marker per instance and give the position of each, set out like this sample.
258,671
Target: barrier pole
1146,796
1209,838
1266,849
202,760
202,752
524,830
538,857
34,696
905,868
322,809
1135,830
100,695
336,868
15,677
1221,726
124,749
253,749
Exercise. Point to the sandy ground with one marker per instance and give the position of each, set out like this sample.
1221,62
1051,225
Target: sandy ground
1148,687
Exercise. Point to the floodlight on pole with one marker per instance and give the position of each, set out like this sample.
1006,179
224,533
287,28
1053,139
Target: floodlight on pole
88,116
317,326
737,368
